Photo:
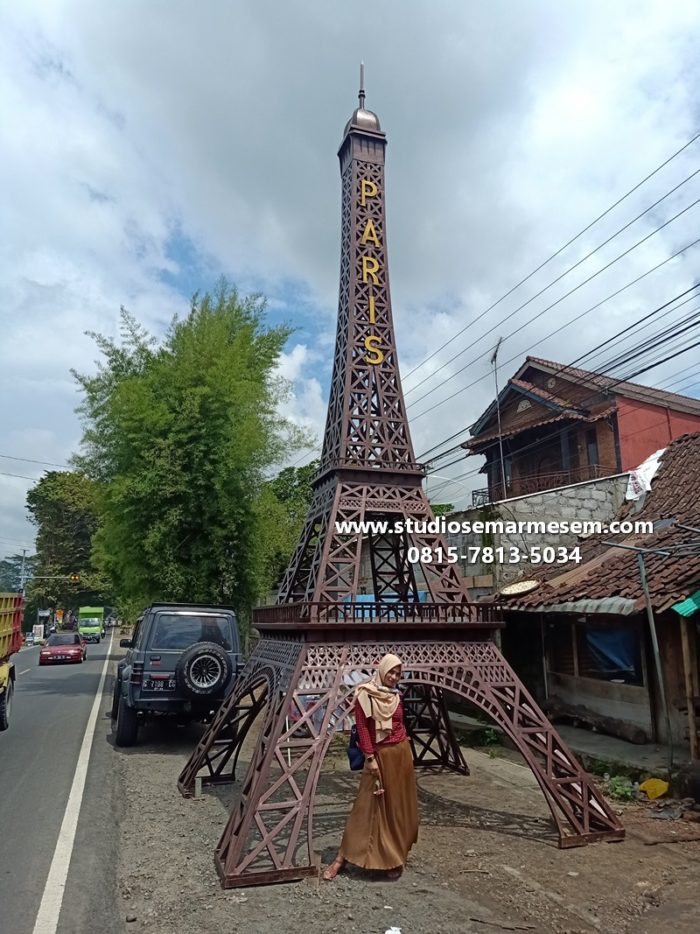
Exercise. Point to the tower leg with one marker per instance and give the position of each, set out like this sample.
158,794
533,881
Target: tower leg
271,826
430,731
269,834
268,672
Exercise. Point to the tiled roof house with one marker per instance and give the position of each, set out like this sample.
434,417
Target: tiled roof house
608,573
590,621
562,424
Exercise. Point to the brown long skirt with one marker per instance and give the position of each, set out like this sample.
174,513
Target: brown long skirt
381,829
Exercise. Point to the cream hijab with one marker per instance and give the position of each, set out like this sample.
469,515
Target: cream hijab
377,700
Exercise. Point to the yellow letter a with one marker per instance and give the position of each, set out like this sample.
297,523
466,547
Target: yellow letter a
370,233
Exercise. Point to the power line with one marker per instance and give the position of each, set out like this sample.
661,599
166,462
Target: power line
559,251
662,337
307,449
581,381
614,339
20,476
535,444
550,306
553,256
689,380
28,460
564,274
635,326
552,333
672,379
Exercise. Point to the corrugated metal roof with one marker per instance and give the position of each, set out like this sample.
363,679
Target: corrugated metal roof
612,606
689,606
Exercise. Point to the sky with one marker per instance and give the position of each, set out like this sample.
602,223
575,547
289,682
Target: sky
151,147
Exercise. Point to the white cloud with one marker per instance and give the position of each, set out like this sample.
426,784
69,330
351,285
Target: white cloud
510,127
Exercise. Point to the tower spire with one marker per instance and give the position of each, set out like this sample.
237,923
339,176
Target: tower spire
361,95
367,467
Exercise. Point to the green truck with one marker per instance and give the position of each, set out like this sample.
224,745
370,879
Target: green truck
91,622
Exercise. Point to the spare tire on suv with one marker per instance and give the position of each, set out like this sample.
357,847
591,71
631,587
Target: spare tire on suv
203,670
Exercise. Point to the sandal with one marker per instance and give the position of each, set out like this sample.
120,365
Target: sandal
332,871
394,874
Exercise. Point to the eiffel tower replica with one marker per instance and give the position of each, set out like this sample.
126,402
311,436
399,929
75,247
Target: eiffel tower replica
323,636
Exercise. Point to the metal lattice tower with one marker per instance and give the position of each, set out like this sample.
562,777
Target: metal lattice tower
319,640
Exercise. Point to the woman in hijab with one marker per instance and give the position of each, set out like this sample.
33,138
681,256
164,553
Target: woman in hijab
383,824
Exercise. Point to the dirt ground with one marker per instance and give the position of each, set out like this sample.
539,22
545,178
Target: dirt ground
486,860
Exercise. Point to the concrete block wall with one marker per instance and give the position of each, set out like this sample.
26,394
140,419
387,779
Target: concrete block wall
597,500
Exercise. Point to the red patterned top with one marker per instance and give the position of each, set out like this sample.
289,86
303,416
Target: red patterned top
367,731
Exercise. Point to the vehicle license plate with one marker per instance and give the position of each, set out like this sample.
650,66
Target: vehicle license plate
151,684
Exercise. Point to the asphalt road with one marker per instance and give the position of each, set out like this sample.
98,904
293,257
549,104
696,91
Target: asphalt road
38,756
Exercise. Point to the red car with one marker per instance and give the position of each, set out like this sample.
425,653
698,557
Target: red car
63,647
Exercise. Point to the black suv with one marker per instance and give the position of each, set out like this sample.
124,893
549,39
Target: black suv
182,660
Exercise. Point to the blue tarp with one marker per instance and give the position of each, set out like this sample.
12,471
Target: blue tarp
614,652
391,598
361,613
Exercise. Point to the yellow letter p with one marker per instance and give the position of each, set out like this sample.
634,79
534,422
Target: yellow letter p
367,190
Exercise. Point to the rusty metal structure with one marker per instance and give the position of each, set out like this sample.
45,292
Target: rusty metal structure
322,637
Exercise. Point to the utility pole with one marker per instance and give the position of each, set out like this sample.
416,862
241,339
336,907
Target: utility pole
640,552
22,578
494,362
657,656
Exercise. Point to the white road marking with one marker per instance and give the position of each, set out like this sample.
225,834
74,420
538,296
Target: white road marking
52,899
25,671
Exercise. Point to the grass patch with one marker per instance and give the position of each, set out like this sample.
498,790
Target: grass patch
486,737
620,788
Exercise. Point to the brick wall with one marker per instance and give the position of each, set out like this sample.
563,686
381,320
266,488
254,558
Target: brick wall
645,428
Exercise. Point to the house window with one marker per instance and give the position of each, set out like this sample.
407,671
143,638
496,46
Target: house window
592,447
610,653
508,468
605,652
572,449
560,648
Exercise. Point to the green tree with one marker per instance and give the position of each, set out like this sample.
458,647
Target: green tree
182,433
11,572
442,509
283,506
64,506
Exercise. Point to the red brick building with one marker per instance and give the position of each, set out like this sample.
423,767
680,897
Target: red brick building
563,425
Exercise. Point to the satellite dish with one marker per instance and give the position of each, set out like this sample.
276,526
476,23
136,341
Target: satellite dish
518,588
